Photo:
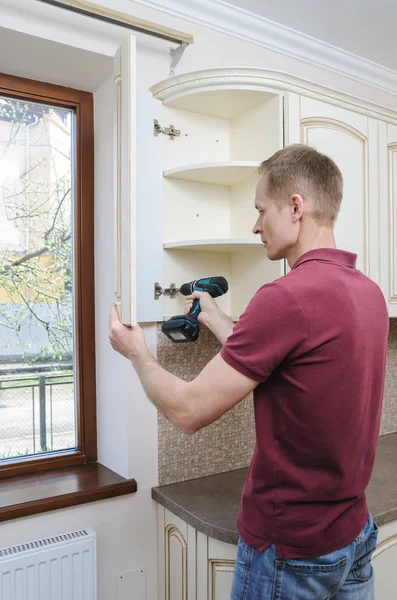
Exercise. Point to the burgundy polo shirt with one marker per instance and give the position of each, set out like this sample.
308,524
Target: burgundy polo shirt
316,341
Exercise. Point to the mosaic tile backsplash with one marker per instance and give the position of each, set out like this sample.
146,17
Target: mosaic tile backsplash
389,413
228,443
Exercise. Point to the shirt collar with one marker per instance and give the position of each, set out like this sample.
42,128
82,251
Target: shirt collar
339,257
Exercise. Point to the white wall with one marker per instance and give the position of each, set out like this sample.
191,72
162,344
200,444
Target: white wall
127,422
121,534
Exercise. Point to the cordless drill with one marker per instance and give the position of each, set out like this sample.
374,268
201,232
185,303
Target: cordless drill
185,328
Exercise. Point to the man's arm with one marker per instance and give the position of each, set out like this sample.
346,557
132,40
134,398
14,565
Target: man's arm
189,405
220,325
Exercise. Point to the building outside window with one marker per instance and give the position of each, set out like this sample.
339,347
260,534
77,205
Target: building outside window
43,246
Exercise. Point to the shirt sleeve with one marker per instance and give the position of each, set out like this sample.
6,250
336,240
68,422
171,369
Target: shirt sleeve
272,329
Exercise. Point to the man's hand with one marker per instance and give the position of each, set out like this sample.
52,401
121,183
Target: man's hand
208,307
211,315
128,341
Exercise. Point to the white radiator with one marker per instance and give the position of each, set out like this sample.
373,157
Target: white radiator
62,567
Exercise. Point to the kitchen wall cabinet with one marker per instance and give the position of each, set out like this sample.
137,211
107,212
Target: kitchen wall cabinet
193,566
351,140
208,189
390,215
365,149
186,180
185,188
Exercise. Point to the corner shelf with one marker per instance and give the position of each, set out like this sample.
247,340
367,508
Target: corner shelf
218,103
218,245
219,173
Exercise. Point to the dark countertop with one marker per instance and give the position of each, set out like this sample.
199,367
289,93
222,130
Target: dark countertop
210,504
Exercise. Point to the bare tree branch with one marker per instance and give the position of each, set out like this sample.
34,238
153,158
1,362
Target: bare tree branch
37,292
47,234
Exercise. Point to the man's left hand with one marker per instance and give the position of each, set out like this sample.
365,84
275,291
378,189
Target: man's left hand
128,341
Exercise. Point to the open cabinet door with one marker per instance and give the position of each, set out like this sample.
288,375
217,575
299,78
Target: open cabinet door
138,231
124,80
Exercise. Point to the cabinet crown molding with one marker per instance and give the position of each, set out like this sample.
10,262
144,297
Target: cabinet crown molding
238,22
266,80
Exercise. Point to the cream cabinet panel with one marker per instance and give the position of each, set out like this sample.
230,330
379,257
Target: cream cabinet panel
221,550
125,173
149,210
246,144
192,566
235,131
351,140
137,194
391,213
221,561
176,562
221,579
175,539
202,566
384,562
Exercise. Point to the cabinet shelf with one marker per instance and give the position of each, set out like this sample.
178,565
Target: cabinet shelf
219,245
220,173
222,104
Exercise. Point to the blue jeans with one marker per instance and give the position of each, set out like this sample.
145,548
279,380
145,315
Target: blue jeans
345,574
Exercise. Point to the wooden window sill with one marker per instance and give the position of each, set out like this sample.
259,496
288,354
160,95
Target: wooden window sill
24,495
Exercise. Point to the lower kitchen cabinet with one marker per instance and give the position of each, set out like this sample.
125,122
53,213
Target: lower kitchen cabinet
384,562
193,566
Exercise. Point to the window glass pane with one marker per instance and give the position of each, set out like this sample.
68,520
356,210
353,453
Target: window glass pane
37,392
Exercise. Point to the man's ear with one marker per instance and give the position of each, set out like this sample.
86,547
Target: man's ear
297,205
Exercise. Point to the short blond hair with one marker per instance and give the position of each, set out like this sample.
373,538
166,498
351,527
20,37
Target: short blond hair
300,169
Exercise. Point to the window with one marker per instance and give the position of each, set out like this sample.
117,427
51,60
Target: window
47,361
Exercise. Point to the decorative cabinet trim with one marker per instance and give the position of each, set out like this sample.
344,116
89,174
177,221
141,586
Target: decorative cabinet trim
104,12
323,122
385,545
263,79
332,124
117,195
216,567
173,532
256,29
392,150
124,191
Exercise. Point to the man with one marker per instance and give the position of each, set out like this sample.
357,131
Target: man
312,347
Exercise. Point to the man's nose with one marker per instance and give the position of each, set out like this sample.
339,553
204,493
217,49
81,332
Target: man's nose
256,228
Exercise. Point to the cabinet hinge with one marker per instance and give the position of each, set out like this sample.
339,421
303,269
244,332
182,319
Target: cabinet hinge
170,291
171,131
